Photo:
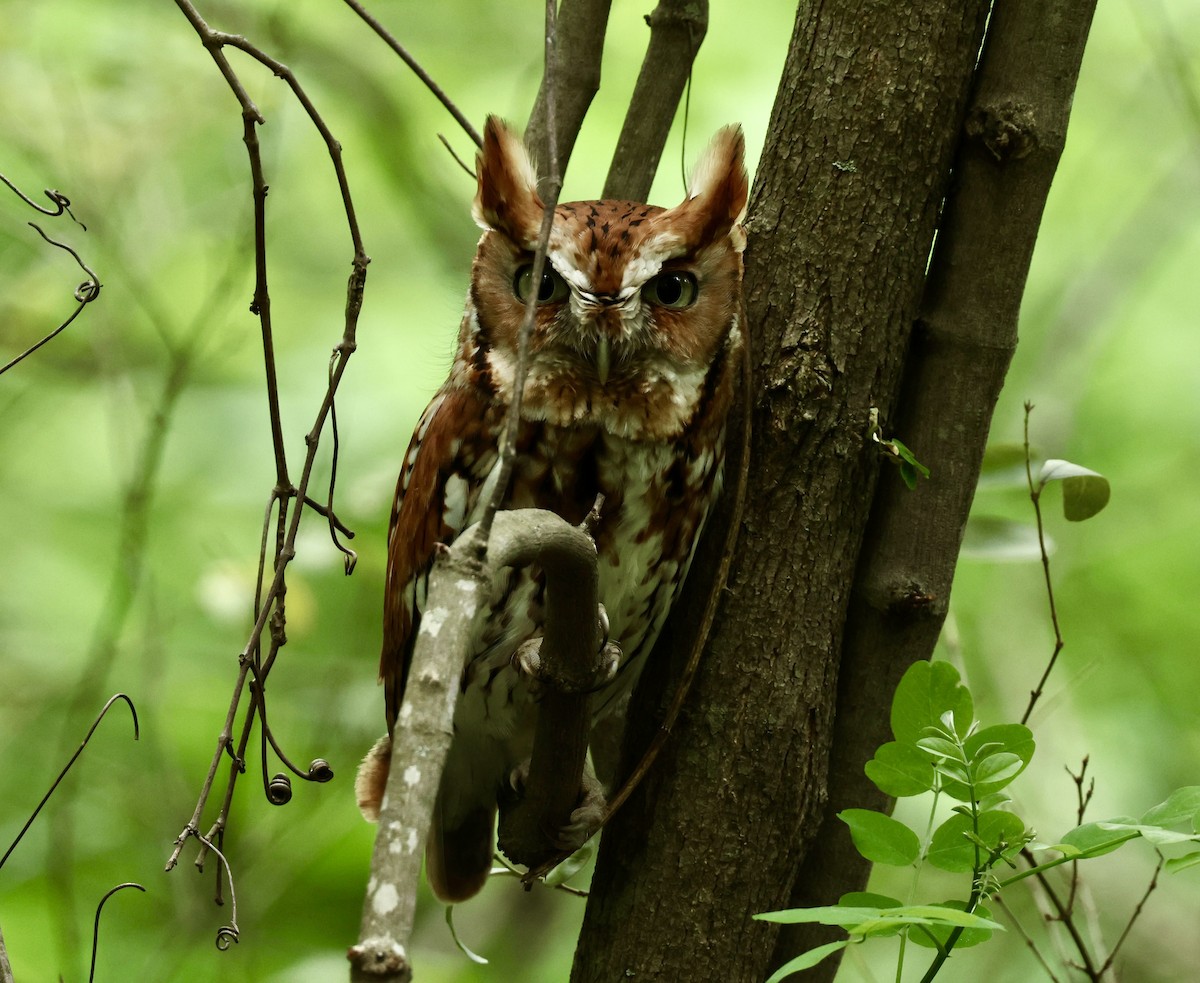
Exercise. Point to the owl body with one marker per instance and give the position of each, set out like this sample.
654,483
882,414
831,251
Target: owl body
629,382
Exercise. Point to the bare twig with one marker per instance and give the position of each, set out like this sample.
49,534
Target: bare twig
581,29
1083,799
1137,912
458,160
269,603
1035,494
553,186
1025,937
96,922
420,72
67,767
677,29
1064,917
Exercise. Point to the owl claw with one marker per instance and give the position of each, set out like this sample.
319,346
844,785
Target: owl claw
527,659
585,819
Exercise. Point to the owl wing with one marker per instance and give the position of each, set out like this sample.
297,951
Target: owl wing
443,472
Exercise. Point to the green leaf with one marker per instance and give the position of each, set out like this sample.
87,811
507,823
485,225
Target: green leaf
1176,864
910,467
806,960
867,899
997,540
1181,806
881,839
842,916
900,770
941,749
1085,492
1095,840
1152,834
925,693
970,936
991,751
951,848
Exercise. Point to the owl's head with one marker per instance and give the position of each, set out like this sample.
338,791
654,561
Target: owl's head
637,307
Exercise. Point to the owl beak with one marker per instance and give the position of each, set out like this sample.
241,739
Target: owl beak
603,358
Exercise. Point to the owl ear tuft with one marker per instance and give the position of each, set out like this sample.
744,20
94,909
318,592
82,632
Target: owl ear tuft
506,199
717,193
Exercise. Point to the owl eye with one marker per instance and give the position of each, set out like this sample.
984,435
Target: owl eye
675,289
552,290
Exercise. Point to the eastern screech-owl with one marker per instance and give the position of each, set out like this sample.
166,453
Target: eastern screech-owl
631,371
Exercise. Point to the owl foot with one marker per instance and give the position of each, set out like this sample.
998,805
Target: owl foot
585,819
527,659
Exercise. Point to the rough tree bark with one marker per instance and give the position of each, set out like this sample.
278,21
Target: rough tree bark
963,340
845,203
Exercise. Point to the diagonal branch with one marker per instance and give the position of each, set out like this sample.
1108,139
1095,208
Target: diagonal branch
677,28
581,29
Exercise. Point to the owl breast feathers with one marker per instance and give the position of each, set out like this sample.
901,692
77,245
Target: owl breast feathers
631,371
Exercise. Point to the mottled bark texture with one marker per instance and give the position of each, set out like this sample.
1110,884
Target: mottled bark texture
843,212
965,335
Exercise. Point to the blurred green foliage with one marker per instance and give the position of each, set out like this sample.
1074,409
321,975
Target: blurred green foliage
118,106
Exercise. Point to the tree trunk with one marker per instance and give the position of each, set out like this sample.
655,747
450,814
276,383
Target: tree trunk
844,208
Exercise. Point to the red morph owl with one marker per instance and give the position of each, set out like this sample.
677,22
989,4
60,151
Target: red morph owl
632,364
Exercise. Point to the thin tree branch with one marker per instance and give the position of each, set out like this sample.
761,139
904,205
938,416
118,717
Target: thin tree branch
269,604
390,40
1035,496
1136,914
962,342
582,25
677,28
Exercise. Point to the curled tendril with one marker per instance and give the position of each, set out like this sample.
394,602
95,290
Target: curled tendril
62,774
227,935
230,934
96,922
279,790
84,294
60,201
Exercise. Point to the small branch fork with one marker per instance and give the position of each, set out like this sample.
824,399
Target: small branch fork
253,665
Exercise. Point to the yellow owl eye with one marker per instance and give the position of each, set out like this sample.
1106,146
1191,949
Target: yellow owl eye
674,289
552,290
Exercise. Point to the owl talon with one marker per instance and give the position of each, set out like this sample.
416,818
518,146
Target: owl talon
585,819
527,659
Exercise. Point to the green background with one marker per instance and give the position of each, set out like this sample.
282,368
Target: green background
118,106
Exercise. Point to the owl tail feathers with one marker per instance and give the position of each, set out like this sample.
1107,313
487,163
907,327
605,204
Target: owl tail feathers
458,860
371,780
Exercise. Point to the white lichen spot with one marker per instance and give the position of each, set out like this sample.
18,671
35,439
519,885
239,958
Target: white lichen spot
385,899
412,841
405,712
465,585
432,621
412,775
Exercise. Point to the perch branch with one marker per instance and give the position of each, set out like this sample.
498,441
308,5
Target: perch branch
459,583
677,29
